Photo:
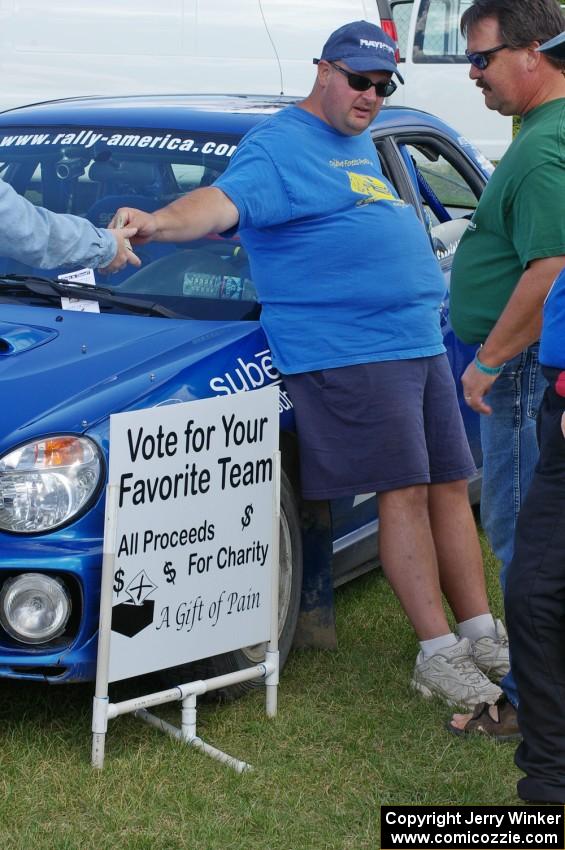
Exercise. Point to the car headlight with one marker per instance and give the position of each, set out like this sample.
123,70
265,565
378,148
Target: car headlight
43,484
34,608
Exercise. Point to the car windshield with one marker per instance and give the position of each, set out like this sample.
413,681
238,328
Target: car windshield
92,171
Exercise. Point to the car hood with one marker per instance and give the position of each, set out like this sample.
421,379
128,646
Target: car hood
65,371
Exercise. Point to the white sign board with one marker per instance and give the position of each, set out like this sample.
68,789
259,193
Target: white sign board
195,486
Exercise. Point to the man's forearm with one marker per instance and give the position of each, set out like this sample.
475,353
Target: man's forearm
195,215
520,322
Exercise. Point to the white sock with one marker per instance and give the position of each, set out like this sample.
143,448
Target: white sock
477,627
435,645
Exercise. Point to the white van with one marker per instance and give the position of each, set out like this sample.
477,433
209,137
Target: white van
53,48
436,71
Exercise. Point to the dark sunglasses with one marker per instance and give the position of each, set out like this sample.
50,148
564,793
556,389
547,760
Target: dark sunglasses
360,83
480,58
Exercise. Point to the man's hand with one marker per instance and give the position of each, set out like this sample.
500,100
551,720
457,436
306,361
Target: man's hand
476,385
144,223
518,327
124,254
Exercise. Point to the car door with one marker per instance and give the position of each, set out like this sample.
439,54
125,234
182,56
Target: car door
447,188
432,172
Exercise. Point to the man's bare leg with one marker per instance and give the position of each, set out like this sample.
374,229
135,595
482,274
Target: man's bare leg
458,551
459,558
407,553
409,561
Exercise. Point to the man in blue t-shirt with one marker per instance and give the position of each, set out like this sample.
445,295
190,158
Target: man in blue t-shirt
535,587
350,293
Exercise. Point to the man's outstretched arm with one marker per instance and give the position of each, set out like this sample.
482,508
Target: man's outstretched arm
193,216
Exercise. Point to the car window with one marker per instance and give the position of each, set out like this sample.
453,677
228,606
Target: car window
438,37
444,191
446,187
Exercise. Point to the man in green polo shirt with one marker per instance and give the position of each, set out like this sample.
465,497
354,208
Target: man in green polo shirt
511,252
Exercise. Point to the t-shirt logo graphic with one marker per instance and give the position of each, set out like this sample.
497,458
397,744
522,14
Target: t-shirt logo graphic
371,187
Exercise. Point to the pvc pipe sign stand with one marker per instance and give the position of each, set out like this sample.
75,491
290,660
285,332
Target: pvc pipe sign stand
191,560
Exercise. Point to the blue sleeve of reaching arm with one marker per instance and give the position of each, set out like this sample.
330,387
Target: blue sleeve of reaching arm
43,239
253,183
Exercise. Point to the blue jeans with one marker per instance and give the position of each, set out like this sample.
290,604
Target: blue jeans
510,454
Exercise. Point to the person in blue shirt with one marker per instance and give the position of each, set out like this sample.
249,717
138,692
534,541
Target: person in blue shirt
350,293
44,239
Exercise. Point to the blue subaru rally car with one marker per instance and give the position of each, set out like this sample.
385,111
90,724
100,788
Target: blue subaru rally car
185,326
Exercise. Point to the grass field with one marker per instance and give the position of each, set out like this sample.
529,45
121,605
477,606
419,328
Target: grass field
350,736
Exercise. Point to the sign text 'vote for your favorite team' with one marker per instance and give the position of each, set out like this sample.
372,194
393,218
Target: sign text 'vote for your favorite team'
195,485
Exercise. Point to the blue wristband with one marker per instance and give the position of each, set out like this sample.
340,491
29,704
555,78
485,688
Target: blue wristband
493,371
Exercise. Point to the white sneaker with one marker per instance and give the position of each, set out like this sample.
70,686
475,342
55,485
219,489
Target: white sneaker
453,675
491,654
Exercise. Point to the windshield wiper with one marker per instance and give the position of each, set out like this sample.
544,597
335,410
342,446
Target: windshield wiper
50,288
49,285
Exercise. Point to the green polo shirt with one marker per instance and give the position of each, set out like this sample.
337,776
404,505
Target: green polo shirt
520,218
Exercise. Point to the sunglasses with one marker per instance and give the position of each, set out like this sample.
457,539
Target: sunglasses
480,58
360,83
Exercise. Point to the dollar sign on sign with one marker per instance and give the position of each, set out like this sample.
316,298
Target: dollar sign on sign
118,581
246,519
169,572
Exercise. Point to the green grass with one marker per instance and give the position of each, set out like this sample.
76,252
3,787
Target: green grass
349,736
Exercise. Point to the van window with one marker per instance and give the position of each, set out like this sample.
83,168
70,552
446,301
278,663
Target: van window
437,37
401,15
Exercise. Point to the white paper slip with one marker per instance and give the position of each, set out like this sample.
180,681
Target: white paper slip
85,276
80,305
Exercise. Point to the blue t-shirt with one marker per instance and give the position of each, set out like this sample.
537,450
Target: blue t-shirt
552,345
343,269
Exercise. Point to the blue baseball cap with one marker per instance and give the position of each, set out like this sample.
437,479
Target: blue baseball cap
555,47
363,46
